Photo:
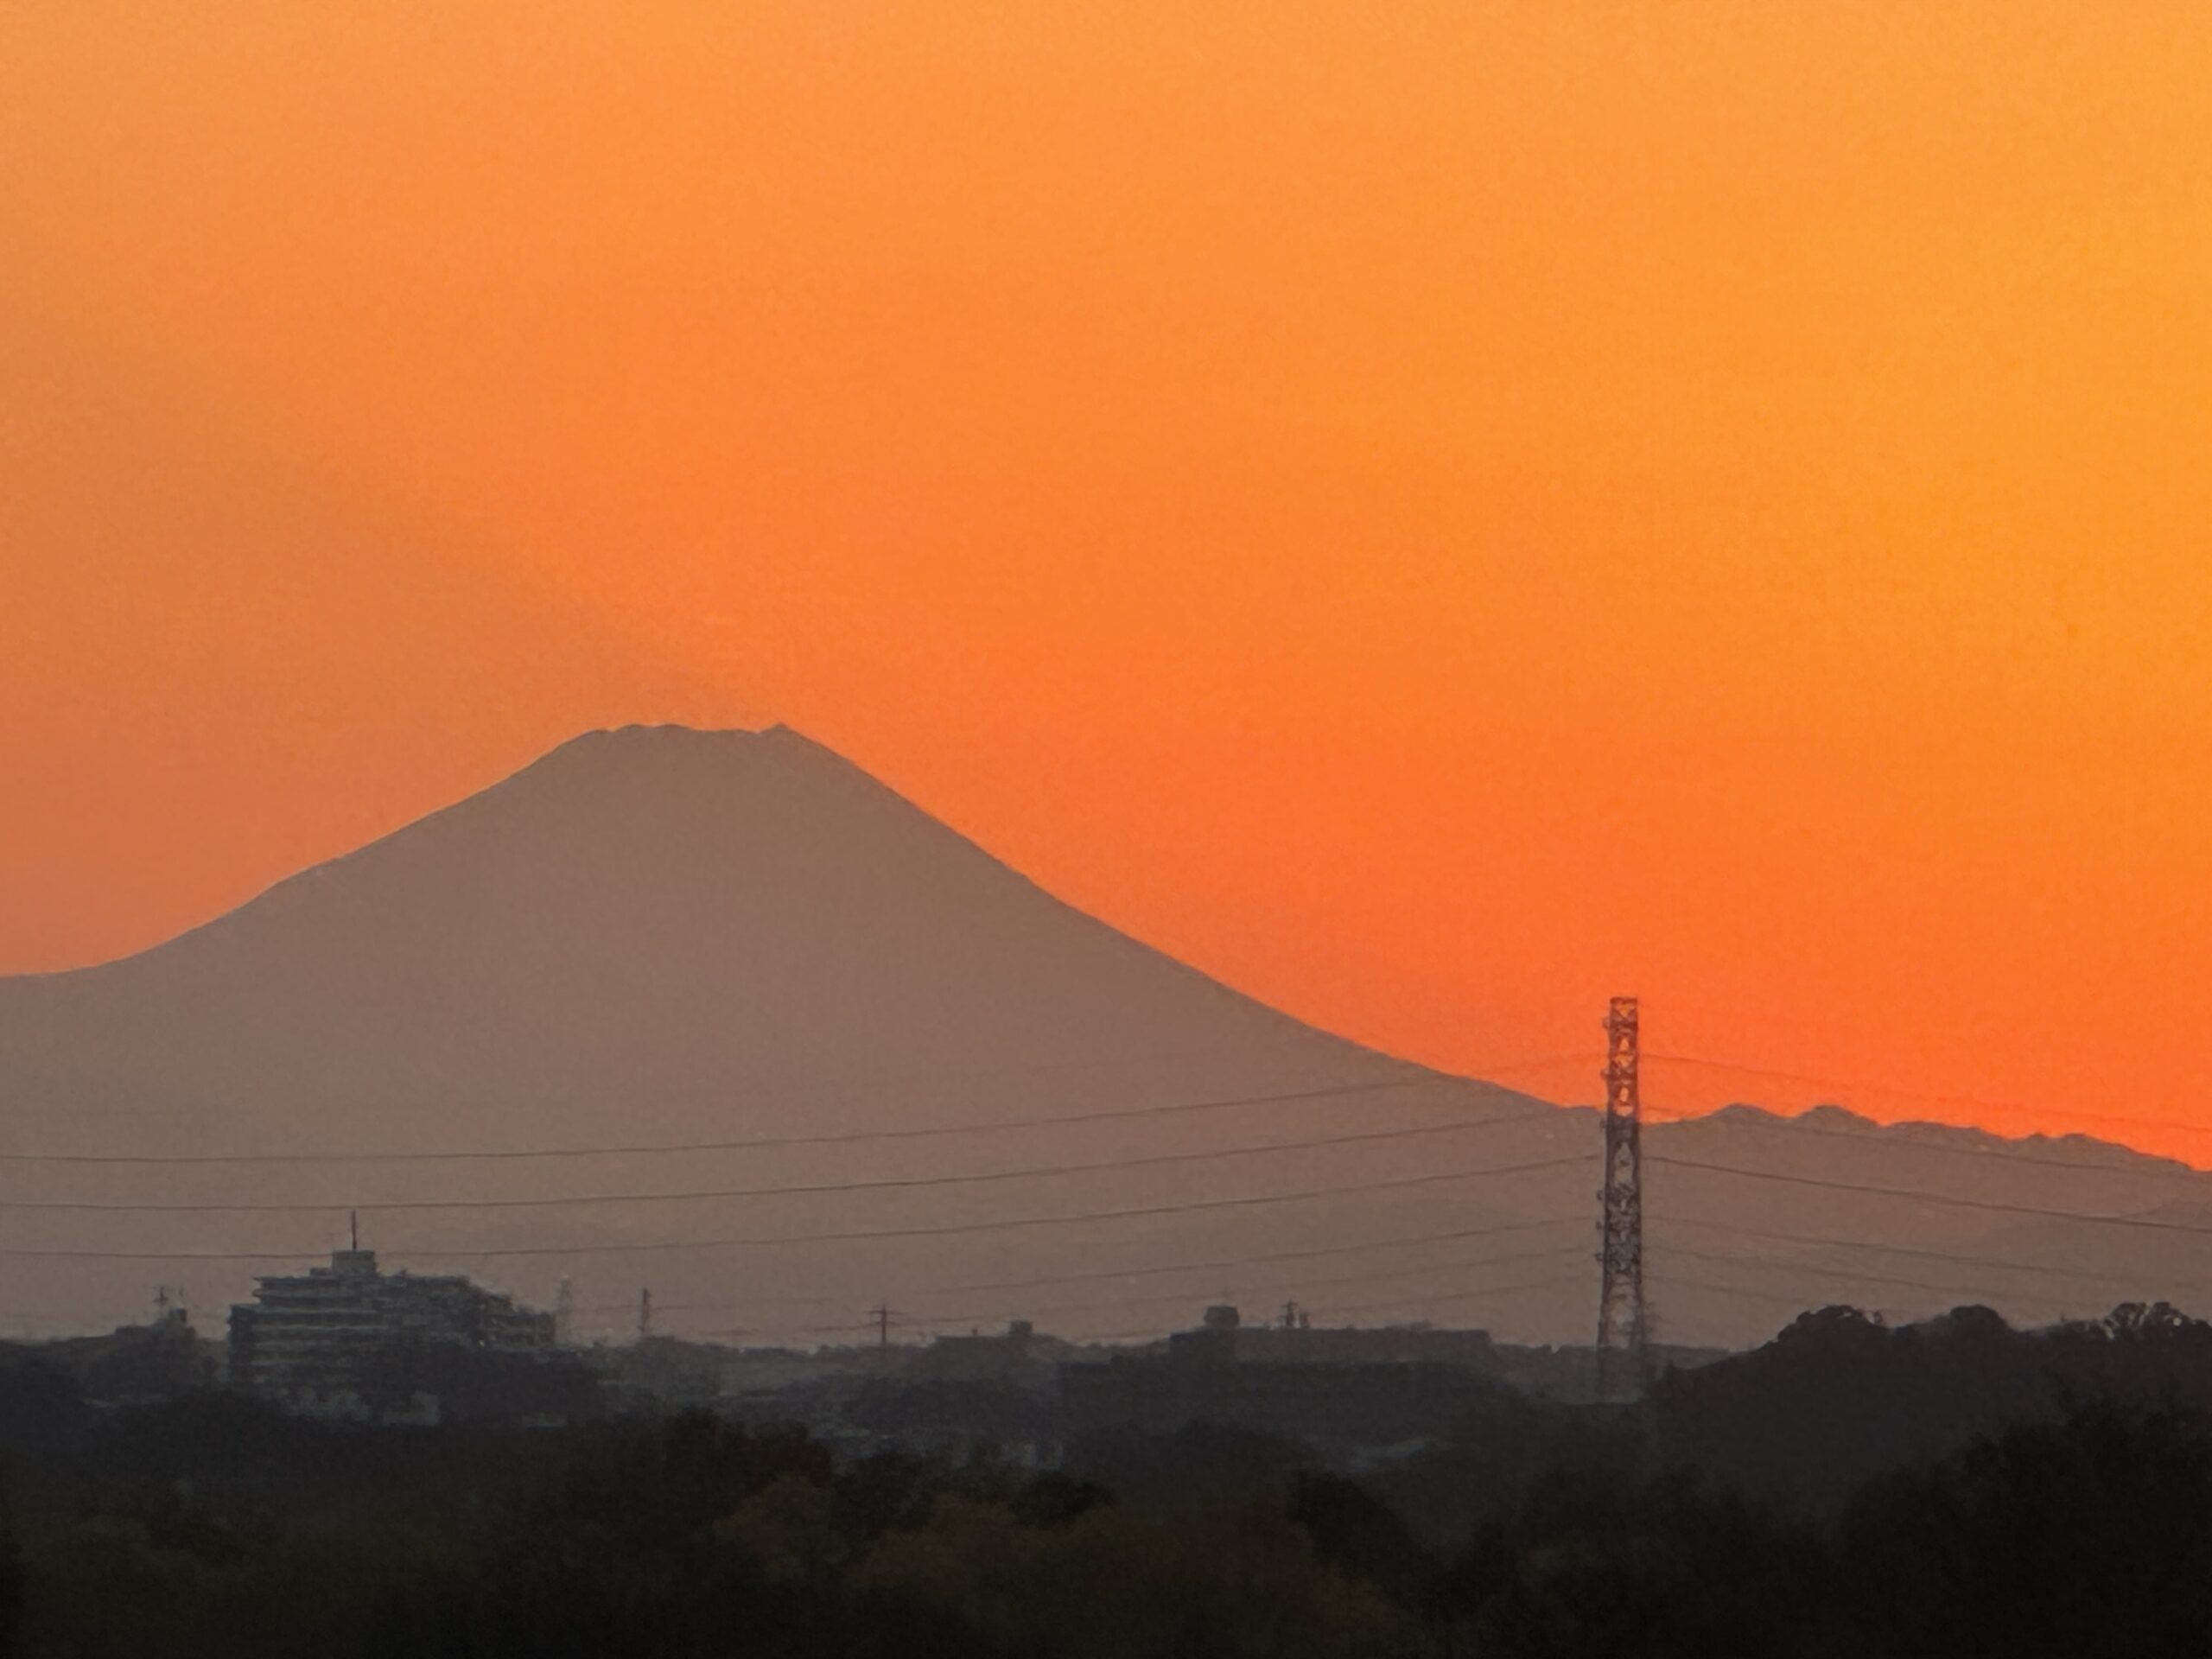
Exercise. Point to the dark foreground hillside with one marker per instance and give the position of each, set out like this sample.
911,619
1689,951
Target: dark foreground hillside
1954,1489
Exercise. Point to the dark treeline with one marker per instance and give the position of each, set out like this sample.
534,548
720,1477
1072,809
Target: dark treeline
1948,1489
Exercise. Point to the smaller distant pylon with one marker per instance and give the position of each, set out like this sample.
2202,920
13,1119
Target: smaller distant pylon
564,1313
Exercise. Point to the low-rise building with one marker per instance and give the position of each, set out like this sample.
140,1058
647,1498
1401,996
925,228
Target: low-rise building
1341,1389
136,1363
1223,1334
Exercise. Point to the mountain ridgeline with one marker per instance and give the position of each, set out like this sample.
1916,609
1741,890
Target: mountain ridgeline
658,945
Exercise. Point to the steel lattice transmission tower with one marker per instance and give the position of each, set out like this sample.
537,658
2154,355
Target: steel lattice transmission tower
1620,1255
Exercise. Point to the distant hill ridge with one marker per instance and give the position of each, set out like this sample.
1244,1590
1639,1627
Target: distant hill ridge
1828,1118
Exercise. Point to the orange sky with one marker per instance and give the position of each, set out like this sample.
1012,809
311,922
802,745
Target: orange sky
1435,513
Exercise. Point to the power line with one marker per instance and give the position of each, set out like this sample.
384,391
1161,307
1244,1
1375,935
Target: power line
1118,1304
632,1247
1666,1251
816,1189
1366,1278
1998,1262
2147,1223
1242,1202
1452,1236
1046,1280
1426,1079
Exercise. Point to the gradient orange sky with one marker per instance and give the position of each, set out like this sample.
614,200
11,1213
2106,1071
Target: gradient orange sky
1434,512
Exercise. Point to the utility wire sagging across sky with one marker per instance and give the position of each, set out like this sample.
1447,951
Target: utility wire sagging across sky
1873,1272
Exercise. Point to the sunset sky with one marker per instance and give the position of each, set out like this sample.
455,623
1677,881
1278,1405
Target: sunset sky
1435,513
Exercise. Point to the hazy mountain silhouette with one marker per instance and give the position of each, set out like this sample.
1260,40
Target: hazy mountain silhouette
659,937
642,921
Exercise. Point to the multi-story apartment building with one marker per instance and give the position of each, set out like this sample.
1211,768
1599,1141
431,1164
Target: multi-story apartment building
316,1340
